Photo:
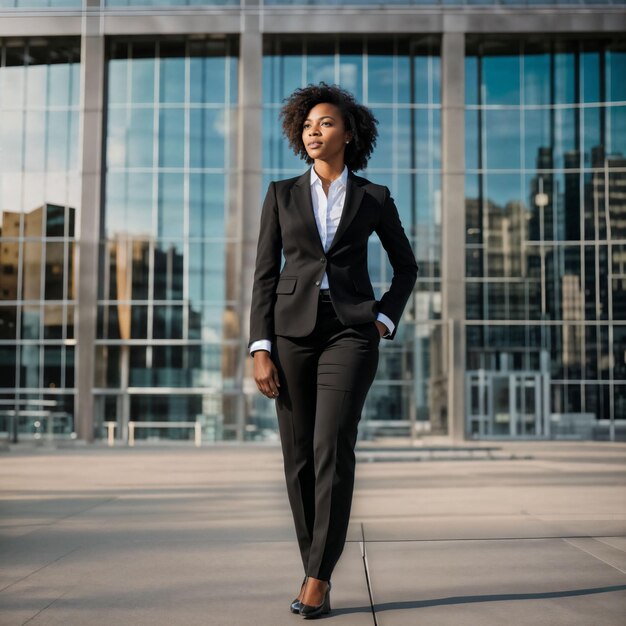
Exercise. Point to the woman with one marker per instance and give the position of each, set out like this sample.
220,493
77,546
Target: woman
315,325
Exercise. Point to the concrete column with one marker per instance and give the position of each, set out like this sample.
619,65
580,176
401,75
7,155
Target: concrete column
249,175
88,228
453,226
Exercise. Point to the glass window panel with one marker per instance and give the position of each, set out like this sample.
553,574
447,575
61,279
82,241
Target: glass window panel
206,272
69,370
619,298
167,322
566,127
8,366
12,139
597,401
427,79
29,366
206,205
590,76
616,71
207,83
619,353
403,194
593,202
31,278
207,141
139,322
503,196
382,156
54,271
172,72
168,271
402,77
57,140
471,80
171,216
428,198
282,75
619,259
277,155
427,138
115,214
54,220
567,207
8,322
475,301
501,79
142,78
564,78
9,260
537,78
12,77
118,70
54,320
141,270
33,199
472,145
140,201
537,139
473,210
591,123
139,138
474,262
60,91
351,67
503,139
35,141
171,137
36,77
380,78
52,377
320,61
616,133
205,322
116,137
129,203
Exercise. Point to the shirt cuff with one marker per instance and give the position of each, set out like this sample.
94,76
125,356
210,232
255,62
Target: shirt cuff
261,344
381,317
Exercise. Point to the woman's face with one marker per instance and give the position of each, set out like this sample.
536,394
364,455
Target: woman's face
324,134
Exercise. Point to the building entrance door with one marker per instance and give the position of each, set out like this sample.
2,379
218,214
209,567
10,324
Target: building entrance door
505,404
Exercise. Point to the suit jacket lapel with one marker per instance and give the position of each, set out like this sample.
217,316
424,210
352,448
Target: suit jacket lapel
354,196
301,198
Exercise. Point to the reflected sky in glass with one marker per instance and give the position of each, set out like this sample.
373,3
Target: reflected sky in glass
168,138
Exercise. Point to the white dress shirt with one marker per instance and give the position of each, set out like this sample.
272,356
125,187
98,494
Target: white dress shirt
327,212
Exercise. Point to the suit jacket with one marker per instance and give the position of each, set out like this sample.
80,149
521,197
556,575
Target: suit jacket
285,302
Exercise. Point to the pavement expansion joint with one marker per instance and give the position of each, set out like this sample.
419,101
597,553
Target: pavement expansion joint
368,579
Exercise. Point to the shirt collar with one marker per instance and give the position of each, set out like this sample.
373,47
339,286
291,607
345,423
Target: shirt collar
342,180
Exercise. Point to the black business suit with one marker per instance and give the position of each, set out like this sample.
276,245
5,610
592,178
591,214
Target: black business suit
326,353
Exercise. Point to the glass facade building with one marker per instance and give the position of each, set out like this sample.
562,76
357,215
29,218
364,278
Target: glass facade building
133,168
39,206
545,214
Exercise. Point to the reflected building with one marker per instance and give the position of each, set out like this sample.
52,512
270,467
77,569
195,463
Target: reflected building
133,169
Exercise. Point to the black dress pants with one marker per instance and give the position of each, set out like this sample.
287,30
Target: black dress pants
324,380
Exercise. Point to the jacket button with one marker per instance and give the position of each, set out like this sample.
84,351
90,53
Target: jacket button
317,282
322,260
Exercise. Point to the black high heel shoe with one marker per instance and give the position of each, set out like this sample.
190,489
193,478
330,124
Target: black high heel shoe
295,605
309,611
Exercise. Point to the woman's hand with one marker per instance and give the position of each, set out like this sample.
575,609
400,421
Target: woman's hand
382,329
265,374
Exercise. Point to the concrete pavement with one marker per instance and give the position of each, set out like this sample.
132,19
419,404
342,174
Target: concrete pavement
532,533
